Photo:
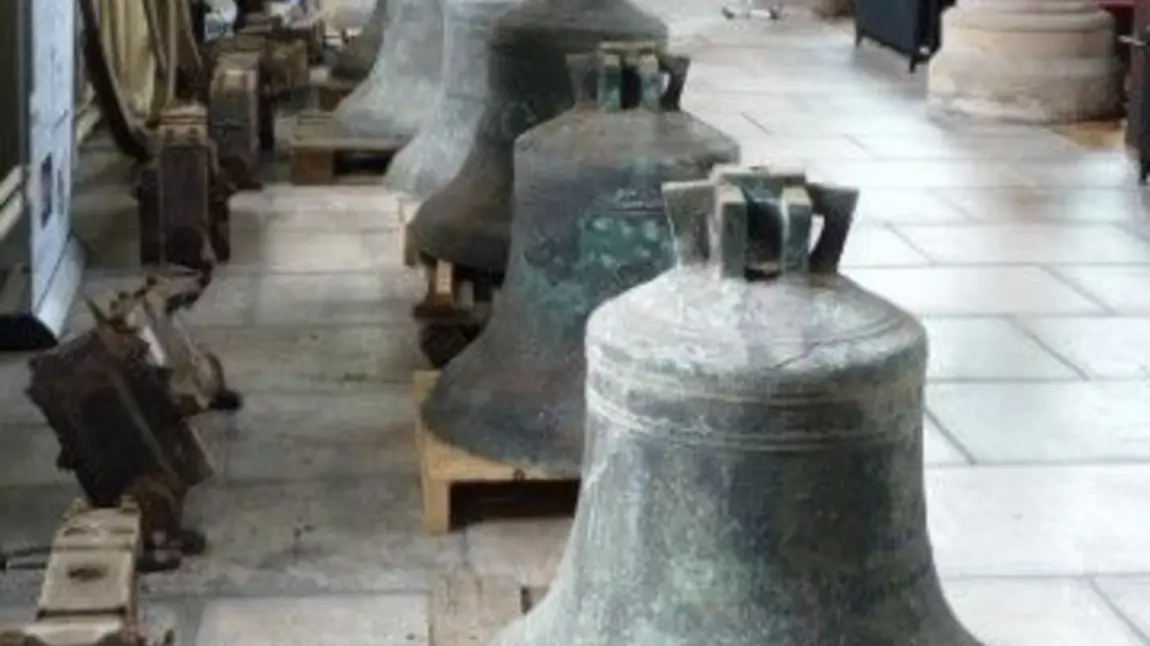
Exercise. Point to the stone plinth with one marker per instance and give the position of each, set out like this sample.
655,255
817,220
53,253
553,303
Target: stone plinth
1036,61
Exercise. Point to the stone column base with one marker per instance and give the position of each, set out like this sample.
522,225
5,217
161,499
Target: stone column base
1035,61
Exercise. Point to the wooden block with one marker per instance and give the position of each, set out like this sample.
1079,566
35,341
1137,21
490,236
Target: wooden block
442,465
407,250
469,610
312,167
319,140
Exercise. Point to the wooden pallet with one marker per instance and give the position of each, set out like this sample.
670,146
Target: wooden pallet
319,145
442,466
470,610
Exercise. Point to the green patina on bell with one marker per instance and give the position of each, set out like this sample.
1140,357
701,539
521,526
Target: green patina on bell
588,225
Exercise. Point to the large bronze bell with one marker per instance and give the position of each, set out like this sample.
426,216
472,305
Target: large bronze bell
355,60
391,103
753,471
435,156
468,222
589,224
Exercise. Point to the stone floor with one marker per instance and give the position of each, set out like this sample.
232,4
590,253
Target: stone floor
1027,254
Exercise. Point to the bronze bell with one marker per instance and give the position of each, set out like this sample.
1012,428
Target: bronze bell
753,472
437,153
468,222
355,60
391,103
589,224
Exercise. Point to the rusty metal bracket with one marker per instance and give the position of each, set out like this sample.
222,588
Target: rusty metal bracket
121,399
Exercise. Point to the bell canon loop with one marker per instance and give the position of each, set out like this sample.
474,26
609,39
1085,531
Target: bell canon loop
437,153
589,224
753,470
468,221
391,103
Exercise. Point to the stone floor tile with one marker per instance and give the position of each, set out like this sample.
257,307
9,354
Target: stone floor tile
526,550
1120,288
1131,597
867,174
988,348
1027,243
951,145
938,449
974,290
315,358
1039,521
874,125
1052,422
313,251
879,246
1050,204
318,536
304,436
114,249
228,301
1102,347
28,456
894,205
1040,612
319,202
381,620
1107,169
384,296
797,149
15,408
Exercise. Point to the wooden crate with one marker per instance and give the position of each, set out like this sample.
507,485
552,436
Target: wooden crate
470,610
319,143
442,466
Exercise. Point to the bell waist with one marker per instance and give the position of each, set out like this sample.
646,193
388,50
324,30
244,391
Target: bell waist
672,412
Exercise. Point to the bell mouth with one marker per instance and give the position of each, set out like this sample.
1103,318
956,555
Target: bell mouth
526,414
475,245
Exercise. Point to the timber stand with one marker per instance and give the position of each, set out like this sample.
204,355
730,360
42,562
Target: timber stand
442,467
183,195
322,150
90,591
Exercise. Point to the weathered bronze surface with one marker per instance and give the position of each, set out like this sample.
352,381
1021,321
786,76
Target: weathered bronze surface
468,222
183,196
437,153
354,61
89,595
589,224
234,116
120,396
753,471
394,100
